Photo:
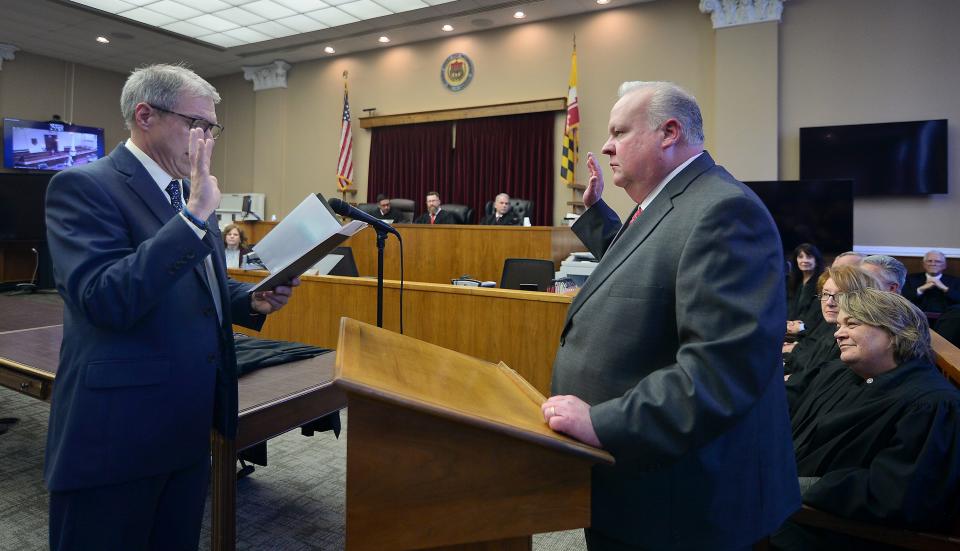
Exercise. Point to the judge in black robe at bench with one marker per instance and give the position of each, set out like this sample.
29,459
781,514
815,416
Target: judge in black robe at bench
877,435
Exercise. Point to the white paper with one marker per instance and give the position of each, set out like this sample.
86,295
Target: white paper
308,224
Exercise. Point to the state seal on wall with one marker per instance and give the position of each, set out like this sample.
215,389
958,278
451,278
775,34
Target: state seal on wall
456,72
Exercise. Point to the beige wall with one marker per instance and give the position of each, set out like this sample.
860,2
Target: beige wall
521,63
866,61
36,87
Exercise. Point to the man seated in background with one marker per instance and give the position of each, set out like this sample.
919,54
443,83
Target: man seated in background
383,204
876,435
932,290
435,214
502,215
890,272
849,258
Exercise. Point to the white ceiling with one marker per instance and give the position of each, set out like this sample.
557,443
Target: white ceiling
66,30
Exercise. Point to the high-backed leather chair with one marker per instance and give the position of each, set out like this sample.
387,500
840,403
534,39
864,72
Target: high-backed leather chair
370,208
523,208
526,271
404,210
463,212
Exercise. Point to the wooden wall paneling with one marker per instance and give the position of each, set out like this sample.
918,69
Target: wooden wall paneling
520,328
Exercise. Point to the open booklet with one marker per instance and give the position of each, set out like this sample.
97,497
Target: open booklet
298,242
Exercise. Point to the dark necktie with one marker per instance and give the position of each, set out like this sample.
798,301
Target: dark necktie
173,190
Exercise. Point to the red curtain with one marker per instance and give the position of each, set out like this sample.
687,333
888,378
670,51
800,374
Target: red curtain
512,154
408,161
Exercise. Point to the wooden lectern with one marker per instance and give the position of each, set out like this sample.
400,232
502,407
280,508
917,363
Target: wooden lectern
448,451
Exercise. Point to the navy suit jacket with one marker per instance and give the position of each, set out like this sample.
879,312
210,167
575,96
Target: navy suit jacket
675,342
145,366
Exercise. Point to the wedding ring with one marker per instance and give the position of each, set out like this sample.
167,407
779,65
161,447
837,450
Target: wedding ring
553,411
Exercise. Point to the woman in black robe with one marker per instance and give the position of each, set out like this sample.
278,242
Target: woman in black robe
806,265
877,435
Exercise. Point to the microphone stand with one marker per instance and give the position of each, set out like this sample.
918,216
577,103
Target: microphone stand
381,241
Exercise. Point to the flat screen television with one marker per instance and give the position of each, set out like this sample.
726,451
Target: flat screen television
51,145
810,211
885,159
22,206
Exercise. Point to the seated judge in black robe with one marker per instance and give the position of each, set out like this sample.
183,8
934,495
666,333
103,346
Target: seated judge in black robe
806,265
877,438
502,214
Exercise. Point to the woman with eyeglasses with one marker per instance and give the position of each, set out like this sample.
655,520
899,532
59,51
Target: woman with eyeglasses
877,435
803,309
819,345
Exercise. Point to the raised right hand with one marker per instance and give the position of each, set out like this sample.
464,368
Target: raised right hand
204,189
595,184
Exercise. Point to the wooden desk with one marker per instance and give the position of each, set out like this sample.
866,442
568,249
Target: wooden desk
437,254
272,401
521,328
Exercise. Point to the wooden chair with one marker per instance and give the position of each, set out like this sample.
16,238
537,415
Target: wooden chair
947,359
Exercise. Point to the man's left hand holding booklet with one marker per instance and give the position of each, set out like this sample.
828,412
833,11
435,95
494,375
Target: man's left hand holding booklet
300,240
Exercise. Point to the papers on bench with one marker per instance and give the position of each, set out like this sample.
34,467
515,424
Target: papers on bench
297,243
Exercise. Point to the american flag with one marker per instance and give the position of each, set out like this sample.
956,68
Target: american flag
345,162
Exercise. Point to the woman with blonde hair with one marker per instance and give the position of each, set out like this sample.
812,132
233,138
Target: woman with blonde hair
877,435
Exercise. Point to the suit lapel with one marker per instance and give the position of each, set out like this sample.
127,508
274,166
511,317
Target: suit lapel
631,237
139,180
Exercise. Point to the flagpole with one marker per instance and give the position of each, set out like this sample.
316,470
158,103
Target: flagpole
345,160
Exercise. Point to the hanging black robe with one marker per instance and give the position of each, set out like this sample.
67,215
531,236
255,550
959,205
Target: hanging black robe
817,347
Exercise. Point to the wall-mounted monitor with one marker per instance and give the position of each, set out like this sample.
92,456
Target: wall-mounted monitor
810,211
50,145
885,159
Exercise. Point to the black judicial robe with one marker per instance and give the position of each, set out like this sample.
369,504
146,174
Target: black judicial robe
886,451
803,304
817,347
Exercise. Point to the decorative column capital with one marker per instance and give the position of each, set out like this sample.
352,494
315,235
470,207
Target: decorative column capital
6,52
731,13
269,76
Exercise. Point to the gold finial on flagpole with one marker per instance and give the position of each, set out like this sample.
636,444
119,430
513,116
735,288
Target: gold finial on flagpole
344,75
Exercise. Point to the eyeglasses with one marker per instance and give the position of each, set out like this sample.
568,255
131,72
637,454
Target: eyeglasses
213,128
825,297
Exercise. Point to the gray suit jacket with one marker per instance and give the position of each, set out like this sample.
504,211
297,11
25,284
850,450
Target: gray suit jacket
675,342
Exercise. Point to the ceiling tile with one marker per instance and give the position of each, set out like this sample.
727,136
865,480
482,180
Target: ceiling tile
247,35
332,17
148,16
212,22
175,9
273,29
186,29
269,9
397,6
240,16
303,6
364,9
207,6
221,39
302,23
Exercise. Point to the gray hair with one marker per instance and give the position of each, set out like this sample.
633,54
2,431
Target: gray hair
935,251
499,195
162,86
669,101
851,253
892,269
905,323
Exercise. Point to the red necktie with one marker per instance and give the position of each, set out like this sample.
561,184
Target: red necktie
635,216
432,218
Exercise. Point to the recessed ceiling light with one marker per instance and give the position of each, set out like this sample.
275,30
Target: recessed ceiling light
447,28
330,50
384,39
603,2
519,15
103,40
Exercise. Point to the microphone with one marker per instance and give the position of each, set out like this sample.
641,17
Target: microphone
344,209
32,286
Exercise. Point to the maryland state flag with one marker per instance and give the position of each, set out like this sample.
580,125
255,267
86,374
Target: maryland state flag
571,131
345,160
